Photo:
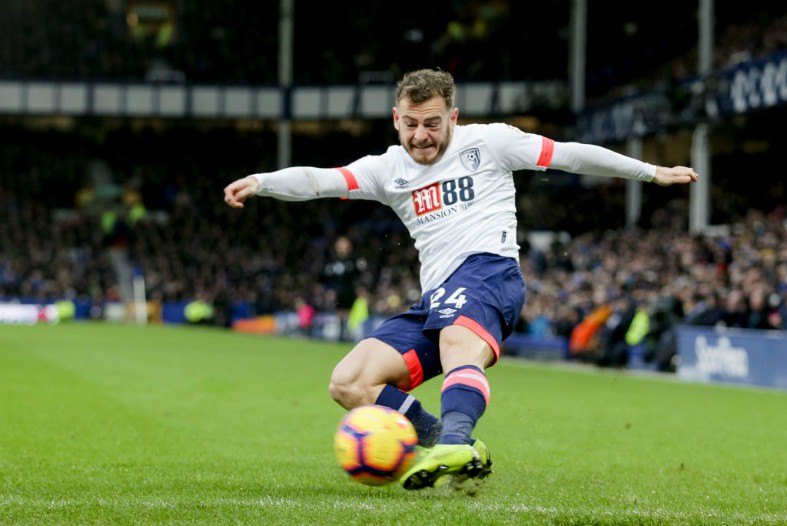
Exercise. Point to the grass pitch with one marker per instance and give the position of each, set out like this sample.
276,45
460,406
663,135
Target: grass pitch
105,424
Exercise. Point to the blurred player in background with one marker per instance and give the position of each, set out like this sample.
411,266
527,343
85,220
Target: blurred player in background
340,277
453,188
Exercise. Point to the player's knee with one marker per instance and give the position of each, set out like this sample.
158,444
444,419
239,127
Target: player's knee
346,390
360,376
338,391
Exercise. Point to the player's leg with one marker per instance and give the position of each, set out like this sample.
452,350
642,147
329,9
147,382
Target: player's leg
473,311
465,395
465,390
375,372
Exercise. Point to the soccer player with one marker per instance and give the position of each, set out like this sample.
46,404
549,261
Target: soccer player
452,186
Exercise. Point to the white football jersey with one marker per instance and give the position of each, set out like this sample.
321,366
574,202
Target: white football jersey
463,204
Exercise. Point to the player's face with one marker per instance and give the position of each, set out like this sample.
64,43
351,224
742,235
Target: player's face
425,128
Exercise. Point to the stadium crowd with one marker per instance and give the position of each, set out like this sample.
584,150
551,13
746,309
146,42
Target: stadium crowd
736,278
188,244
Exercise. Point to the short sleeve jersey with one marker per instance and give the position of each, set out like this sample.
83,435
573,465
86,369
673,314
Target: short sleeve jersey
462,205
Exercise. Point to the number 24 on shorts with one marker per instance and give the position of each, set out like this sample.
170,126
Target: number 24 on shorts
456,299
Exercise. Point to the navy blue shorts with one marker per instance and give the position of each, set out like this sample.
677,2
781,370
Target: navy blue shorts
485,294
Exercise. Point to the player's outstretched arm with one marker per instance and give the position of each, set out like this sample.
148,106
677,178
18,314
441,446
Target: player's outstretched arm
238,191
297,183
590,159
675,175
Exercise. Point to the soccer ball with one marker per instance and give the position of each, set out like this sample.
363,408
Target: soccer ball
375,445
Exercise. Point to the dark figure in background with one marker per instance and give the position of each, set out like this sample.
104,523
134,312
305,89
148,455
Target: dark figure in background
763,310
222,307
613,338
708,311
340,277
667,314
736,309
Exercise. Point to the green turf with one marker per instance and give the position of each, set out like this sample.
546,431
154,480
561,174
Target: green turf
103,424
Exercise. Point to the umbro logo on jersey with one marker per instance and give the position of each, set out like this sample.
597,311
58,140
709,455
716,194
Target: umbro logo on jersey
401,182
471,159
447,312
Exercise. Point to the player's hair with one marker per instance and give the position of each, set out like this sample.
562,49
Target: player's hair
423,84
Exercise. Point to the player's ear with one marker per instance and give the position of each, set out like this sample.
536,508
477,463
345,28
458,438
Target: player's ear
454,115
396,118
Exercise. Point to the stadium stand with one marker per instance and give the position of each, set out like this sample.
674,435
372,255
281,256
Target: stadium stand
236,41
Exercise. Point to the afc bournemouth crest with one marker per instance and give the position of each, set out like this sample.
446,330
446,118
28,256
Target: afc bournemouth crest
471,159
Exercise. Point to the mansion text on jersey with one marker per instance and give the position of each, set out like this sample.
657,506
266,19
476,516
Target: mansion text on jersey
440,214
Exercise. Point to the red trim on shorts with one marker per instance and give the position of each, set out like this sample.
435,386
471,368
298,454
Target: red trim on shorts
476,327
415,368
547,150
349,178
469,378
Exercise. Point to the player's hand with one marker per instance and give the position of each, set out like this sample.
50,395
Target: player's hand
675,175
237,192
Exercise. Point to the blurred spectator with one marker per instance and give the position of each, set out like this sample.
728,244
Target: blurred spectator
305,314
667,315
763,312
614,347
585,340
707,310
359,314
736,312
340,277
